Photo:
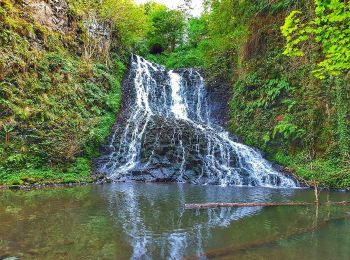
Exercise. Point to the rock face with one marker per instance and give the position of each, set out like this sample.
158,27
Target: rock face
167,132
219,94
51,13
54,15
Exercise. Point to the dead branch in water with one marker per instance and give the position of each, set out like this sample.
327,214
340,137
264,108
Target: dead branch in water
225,204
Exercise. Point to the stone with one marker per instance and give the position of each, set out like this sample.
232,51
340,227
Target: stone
52,13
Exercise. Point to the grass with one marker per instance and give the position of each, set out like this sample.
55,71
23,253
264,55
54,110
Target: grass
327,172
79,172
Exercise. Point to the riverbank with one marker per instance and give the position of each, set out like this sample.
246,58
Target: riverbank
325,172
37,186
37,179
101,180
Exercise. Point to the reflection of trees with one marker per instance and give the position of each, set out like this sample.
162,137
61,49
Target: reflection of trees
55,224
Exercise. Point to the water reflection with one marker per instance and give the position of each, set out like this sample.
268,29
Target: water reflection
157,225
148,221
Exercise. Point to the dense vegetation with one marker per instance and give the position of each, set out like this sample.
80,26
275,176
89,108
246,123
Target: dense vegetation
60,85
288,63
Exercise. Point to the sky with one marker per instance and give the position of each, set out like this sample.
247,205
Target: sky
172,4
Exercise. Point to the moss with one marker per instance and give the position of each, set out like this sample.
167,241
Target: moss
75,173
56,107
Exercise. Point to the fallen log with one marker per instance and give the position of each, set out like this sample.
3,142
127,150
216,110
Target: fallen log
258,204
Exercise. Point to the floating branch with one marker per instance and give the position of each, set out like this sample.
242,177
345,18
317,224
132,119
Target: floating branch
224,204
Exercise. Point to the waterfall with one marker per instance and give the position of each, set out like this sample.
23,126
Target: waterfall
169,135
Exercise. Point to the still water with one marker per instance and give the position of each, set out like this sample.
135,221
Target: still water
148,221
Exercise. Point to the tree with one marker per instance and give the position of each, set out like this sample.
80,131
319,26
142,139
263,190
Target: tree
128,20
167,27
196,30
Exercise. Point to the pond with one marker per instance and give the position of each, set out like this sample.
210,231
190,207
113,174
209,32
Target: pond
148,221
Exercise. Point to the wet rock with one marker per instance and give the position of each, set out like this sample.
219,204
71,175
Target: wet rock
15,187
10,258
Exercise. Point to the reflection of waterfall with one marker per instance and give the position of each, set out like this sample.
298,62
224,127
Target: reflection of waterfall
169,135
157,229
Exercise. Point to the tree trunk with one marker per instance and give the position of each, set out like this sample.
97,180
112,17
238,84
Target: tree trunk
7,138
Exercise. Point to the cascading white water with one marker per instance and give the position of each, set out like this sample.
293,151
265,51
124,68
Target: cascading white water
178,108
169,135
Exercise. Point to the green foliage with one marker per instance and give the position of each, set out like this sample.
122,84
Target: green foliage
327,172
124,17
56,106
167,27
197,30
342,105
185,57
77,172
329,28
173,37
226,31
287,129
272,7
261,109
293,26
208,42
127,18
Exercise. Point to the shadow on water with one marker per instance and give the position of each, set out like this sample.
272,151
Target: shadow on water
148,221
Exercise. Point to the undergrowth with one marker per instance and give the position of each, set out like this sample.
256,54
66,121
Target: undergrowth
56,104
